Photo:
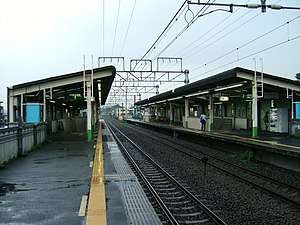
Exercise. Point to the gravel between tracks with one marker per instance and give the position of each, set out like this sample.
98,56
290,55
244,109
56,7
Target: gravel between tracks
234,201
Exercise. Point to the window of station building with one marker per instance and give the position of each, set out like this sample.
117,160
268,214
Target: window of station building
191,111
195,110
233,110
240,109
243,112
238,112
220,108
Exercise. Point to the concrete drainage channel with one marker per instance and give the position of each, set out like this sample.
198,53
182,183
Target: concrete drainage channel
127,203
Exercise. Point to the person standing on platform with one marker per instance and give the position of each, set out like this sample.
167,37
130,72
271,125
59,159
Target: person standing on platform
203,121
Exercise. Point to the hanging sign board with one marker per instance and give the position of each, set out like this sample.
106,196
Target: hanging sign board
224,98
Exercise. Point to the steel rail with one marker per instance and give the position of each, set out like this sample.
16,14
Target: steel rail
209,212
275,194
145,180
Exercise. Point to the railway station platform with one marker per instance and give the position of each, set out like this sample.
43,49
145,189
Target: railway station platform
273,148
68,180
48,185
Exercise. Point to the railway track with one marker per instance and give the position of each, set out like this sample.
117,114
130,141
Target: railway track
281,190
178,204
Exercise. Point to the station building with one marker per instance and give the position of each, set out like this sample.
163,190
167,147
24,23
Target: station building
237,99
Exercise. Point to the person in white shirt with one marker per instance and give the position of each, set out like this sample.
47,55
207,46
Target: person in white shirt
203,121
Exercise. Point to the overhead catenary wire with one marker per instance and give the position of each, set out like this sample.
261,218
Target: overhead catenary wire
162,33
170,27
209,38
189,45
255,39
103,28
245,57
252,54
116,28
171,23
132,12
220,38
249,42
195,18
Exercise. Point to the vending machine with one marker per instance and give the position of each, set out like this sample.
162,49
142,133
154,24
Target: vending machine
279,120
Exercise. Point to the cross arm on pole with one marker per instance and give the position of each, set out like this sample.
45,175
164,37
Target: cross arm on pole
263,5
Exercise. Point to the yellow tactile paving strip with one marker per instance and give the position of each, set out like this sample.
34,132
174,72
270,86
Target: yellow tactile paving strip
96,213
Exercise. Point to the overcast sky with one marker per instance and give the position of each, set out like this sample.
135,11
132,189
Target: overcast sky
44,38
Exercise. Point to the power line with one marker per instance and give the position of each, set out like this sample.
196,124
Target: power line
201,37
174,17
250,55
128,27
103,28
112,53
170,27
208,39
253,40
195,18
260,51
230,32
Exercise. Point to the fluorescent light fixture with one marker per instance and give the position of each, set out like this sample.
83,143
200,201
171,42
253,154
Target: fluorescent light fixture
63,103
52,101
163,101
197,93
229,87
173,99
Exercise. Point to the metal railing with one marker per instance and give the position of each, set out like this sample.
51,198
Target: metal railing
16,141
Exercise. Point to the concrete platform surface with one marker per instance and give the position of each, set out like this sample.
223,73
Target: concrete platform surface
126,201
46,187
49,185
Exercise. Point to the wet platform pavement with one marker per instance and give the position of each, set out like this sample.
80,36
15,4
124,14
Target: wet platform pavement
126,201
46,186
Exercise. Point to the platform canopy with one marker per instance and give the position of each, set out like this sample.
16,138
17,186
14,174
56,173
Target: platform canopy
236,82
67,90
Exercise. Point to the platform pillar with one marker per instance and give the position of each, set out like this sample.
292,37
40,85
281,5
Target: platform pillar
45,106
171,113
157,111
211,112
186,112
89,108
254,110
21,107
